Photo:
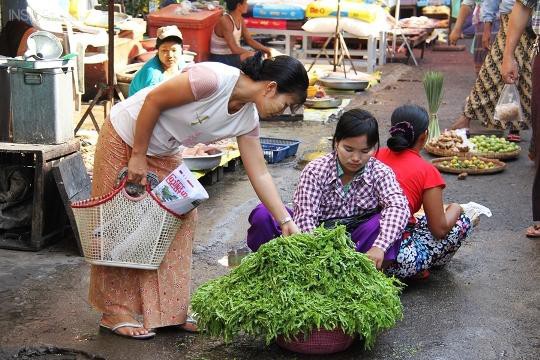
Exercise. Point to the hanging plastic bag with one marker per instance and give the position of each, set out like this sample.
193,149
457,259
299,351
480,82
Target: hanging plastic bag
508,110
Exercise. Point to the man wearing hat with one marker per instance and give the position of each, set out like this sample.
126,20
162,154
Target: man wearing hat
165,64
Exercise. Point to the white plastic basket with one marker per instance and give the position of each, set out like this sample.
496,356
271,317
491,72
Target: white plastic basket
121,230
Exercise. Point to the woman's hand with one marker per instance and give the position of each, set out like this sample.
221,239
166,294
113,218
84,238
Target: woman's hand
509,69
454,37
376,255
289,228
486,36
245,55
267,52
137,169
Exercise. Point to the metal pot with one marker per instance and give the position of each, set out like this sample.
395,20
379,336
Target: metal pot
344,84
323,104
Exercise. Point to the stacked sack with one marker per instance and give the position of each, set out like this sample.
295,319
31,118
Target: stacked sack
358,18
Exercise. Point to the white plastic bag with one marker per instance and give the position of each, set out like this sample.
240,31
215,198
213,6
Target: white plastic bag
180,192
508,110
473,211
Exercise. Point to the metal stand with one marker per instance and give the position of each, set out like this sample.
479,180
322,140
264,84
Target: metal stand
397,30
340,47
111,87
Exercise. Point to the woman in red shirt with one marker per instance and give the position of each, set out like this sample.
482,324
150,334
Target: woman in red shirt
431,239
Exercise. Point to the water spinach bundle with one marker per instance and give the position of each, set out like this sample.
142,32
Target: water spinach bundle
296,284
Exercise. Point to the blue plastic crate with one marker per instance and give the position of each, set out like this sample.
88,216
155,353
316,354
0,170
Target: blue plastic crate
274,153
292,144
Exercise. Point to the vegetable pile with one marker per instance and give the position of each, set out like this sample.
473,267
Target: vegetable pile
493,144
472,163
293,285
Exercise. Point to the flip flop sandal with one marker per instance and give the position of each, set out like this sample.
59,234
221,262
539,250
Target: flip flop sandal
513,138
421,277
533,232
190,321
115,328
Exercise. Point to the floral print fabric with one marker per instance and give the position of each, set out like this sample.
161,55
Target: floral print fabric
420,250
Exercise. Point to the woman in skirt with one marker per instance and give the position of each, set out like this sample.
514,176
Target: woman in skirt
431,239
480,104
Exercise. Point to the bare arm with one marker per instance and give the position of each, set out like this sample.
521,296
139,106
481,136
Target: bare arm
464,11
516,26
225,29
261,180
251,42
439,221
486,35
172,93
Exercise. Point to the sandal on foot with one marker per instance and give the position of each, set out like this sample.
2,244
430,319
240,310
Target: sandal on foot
513,138
115,331
190,325
420,277
533,231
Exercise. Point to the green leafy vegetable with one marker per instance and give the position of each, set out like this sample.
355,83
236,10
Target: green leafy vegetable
296,284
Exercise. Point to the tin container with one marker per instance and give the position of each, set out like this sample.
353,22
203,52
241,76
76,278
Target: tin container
42,105
5,104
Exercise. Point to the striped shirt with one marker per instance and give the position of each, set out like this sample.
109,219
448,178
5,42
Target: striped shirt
320,196
535,6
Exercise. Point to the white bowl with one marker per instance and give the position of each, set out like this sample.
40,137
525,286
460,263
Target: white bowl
203,162
189,56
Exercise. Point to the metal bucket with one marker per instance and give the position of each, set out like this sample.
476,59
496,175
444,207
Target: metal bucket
42,105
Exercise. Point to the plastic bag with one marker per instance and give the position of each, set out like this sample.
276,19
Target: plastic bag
473,211
180,191
508,110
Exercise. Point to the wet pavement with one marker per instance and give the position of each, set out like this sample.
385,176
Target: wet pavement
484,305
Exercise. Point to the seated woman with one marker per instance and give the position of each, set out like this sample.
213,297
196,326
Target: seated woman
349,186
225,41
165,64
431,239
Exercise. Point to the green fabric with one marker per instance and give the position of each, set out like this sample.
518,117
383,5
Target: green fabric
340,174
456,4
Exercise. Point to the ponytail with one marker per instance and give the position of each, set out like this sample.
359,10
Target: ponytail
289,73
408,123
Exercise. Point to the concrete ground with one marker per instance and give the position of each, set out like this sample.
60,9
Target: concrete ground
484,305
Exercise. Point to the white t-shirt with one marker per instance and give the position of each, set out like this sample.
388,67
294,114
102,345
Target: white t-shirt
205,120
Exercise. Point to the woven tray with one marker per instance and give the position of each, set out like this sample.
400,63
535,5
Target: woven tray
439,152
490,155
499,166
498,155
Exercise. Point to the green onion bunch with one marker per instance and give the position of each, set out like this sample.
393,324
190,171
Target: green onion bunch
293,285
433,84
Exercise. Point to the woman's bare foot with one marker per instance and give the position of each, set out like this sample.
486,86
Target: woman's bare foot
111,321
461,122
533,231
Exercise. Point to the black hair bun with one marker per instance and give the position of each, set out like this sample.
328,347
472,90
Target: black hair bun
253,66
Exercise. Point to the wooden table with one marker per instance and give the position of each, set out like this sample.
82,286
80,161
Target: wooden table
48,214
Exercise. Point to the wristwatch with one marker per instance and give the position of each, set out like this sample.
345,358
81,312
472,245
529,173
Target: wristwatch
285,220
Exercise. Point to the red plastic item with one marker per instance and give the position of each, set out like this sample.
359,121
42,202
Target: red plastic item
196,27
257,23
318,342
